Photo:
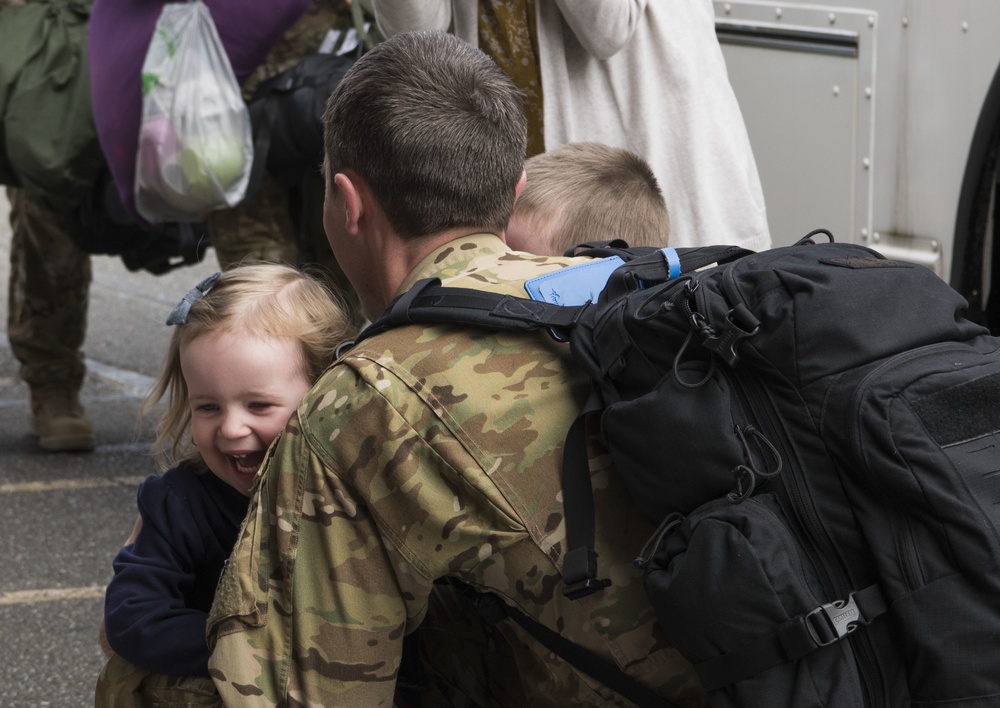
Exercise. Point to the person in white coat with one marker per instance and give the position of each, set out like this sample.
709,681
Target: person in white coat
646,75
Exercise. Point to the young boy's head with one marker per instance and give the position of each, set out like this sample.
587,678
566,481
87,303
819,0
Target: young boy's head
587,192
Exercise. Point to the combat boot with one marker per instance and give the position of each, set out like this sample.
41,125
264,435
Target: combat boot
60,421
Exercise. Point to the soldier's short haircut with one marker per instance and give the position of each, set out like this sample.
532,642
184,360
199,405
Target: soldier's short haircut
435,128
263,300
589,191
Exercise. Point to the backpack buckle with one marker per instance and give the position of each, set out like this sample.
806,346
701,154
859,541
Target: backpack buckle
833,621
579,574
740,323
587,586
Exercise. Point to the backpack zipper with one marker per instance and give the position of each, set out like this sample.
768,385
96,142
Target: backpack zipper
814,533
804,511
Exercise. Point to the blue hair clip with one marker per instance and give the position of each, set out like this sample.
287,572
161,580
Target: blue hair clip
179,315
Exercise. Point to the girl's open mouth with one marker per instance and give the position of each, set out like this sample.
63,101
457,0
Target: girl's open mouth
248,463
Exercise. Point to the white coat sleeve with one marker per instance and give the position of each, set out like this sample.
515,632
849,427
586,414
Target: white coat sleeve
395,16
603,27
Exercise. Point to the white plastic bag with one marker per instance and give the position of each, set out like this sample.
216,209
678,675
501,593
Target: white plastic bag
195,141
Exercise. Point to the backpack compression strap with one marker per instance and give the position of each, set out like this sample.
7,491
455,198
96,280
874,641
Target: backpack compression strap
828,623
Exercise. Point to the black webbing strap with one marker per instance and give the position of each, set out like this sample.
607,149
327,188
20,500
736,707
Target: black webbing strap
821,627
580,560
654,267
429,302
493,610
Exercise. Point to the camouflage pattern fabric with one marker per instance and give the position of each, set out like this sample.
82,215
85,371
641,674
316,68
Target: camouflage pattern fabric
428,452
124,685
48,295
286,224
48,292
508,34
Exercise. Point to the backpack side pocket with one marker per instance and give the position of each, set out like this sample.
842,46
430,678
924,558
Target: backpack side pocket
737,595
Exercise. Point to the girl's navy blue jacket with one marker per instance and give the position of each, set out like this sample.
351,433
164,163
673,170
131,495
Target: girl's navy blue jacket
157,604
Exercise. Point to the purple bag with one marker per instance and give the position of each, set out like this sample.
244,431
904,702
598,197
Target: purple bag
118,37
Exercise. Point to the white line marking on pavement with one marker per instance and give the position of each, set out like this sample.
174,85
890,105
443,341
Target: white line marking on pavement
29,597
135,384
60,485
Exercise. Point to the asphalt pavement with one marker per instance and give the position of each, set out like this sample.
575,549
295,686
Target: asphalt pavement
65,514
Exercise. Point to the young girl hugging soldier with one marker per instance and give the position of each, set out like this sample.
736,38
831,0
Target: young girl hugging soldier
248,344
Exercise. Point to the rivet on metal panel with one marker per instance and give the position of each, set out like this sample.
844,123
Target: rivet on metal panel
868,91
866,163
906,22
871,20
965,26
833,18
876,237
777,12
864,234
727,8
836,90
935,246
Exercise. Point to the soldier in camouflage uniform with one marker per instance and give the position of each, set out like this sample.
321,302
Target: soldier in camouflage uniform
48,294
430,452
286,223
47,322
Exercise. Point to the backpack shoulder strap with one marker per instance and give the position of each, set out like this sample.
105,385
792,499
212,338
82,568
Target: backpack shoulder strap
429,302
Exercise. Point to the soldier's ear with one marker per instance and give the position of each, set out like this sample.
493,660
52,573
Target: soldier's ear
354,208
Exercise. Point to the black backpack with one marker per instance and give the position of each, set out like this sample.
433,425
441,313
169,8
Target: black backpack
101,226
814,428
286,110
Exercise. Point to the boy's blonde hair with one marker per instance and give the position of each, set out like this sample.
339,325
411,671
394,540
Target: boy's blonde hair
589,191
265,300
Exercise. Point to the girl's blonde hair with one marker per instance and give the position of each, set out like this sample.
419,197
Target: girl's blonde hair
265,300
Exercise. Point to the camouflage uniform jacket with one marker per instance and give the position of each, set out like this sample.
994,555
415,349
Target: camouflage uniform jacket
428,452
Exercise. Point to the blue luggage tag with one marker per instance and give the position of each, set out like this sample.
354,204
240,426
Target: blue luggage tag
583,283
573,285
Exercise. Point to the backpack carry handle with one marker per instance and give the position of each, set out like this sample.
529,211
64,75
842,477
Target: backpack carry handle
663,264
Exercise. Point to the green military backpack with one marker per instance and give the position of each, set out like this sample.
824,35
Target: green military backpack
48,143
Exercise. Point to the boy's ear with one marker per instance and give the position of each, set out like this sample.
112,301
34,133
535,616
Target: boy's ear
519,187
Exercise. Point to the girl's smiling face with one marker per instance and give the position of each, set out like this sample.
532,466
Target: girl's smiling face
242,390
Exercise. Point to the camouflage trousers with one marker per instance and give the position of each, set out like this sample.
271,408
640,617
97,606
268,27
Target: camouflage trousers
48,295
124,685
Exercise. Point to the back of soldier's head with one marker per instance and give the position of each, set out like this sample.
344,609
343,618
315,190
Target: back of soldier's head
590,192
435,128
